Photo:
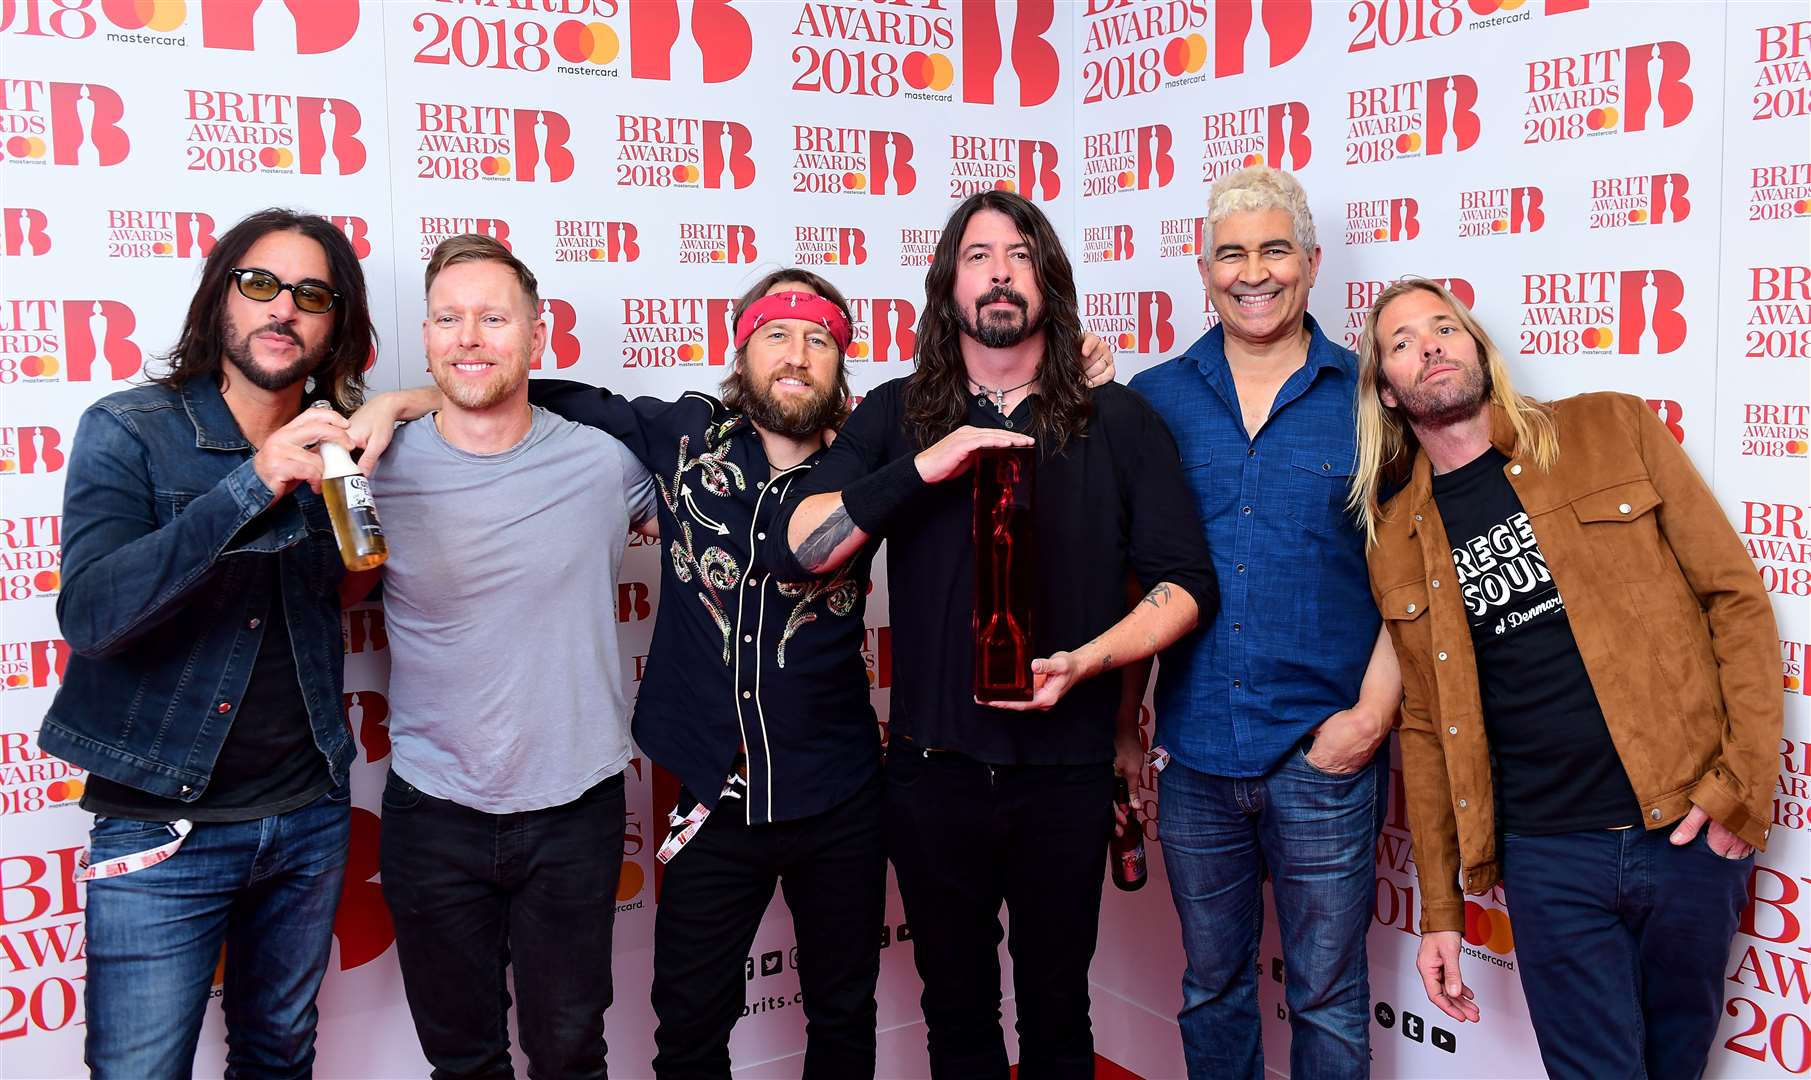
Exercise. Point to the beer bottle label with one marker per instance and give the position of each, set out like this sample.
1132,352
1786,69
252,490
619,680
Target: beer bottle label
358,493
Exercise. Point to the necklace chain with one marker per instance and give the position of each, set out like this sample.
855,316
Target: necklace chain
987,395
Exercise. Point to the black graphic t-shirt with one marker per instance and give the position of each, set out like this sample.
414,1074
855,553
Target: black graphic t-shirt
1556,768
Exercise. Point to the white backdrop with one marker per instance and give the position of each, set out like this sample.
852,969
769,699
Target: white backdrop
1622,188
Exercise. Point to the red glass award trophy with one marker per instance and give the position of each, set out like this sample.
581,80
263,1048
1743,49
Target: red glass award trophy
1005,569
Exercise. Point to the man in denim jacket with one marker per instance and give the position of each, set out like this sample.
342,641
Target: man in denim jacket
199,597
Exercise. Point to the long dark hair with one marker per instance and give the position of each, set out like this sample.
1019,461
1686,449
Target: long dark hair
937,394
201,346
735,386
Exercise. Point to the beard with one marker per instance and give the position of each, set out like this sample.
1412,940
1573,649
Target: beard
794,417
239,354
475,397
997,330
1443,406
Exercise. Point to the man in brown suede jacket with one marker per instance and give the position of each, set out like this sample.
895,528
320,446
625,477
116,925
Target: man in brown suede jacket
1591,695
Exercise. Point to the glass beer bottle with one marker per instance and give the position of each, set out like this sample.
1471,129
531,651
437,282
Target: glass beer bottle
1128,847
349,504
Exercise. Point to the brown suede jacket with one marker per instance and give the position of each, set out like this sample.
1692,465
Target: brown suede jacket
1675,630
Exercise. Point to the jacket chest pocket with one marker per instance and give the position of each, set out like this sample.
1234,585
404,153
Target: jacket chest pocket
1618,526
1315,489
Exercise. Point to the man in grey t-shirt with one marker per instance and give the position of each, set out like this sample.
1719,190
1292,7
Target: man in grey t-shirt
503,814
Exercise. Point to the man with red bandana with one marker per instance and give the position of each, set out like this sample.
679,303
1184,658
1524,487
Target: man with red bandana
755,693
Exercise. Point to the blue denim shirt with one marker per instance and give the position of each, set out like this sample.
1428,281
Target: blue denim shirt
165,537
1296,624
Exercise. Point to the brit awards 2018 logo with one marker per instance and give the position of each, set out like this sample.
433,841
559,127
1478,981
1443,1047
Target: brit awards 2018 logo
1618,202
1107,243
715,48
1424,117
1007,56
1671,415
31,451
683,152
984,163
26,231
1782,67
1775,429
1136,322
1501,211
1792,669
1602,313
1386,23
899,50
59,123
1382,221
1777,542
1274,135
569,37
243,131
305,27
678,331
1130,159
705,243
590,240
485,142
436,230
357,230
916,246
1131,48
852,161
67,340
1636,88
27,665
826,245
159,234
1361,294
1182,238
560,319
1777,192
1779,313
31,546
885,329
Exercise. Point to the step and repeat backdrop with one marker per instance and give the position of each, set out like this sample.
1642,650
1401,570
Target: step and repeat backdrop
1621,189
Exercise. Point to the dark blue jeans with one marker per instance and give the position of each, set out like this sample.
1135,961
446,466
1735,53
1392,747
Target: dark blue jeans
1622,941
1316,835
473,893
266,888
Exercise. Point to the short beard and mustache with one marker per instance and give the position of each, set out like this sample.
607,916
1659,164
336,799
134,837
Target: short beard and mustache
993,331
1444,407
798,418
475,397
239,354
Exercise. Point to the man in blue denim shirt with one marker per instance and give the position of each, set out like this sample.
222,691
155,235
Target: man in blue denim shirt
1272,715
199,596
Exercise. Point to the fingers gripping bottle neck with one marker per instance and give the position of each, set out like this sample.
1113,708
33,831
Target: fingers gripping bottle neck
349,503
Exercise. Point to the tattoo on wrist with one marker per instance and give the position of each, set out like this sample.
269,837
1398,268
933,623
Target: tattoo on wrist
1158,596
1106,664
814,552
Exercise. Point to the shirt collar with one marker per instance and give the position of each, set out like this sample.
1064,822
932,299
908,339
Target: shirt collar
1421,478
1209,353
215,428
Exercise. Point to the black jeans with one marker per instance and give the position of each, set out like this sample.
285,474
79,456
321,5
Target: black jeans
832,870
965,836
473,892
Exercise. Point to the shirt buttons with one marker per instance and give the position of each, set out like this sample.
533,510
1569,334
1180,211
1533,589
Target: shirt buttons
1442,656
1452,731
1463,804
1236,627
253,624
1411,609
1622,508
760,536
1436,583
1240,568
748,637
751,583
1236,684
1515,470
747,694
1417,517
1251,451
1244,509
1654,813
224,707
760,485
186,789
1326,466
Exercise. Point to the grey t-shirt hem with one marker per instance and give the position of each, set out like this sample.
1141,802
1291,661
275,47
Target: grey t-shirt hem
429,783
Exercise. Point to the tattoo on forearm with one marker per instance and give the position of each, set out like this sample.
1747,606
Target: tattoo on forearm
1158,596
814,552
1106,664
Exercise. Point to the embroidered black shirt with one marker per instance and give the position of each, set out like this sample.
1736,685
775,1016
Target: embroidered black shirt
1112,501
738,658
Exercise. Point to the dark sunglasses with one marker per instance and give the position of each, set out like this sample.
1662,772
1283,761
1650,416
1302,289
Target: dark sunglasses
263,286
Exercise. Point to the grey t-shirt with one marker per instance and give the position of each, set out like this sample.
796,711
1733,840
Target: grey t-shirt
506,679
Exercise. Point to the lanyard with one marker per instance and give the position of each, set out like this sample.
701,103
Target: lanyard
138,860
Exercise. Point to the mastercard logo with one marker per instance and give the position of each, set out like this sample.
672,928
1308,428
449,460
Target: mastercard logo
1596,337
1185,55
276,157
1803,206
1602,119
687,174
927,71
1636,217
1408,142
26,146
494,165
1500,225
586,43
38,367
162,16
1488,928
1126,180
1491,7
1793,682
859,350
632,879
1796,446
1254,159
63,790
1005,185
691,352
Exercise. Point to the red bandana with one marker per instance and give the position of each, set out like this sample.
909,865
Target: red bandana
794,305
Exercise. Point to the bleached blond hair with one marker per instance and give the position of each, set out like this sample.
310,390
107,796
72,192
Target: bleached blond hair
1258,188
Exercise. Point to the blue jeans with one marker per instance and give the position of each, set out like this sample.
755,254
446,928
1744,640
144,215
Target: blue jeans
1622,941
267,889
1315,834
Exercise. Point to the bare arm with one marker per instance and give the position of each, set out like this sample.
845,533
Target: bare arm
1164,614
376,420
1345,741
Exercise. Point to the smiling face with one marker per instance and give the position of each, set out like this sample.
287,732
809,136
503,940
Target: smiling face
996,287
1257,277
275,344
481,334
1430,367
790,367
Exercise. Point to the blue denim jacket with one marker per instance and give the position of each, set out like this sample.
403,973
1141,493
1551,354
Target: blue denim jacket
1296,624
165,534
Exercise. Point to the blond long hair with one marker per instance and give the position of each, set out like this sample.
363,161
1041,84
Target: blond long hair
1387,445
